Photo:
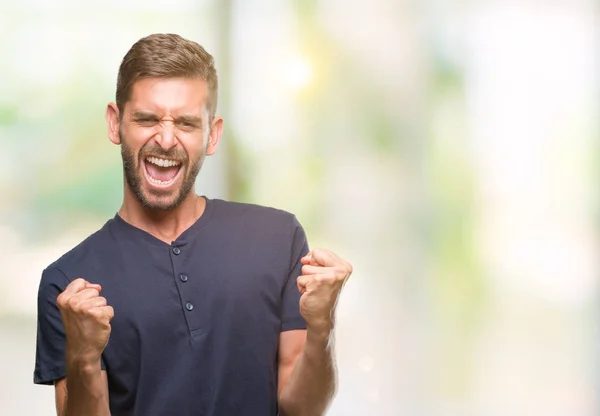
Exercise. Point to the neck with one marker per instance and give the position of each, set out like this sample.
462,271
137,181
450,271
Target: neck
164,225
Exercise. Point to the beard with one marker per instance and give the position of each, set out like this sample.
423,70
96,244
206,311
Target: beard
152,198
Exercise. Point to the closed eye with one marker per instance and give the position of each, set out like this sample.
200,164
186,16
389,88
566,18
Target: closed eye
146,122
187,125
145,118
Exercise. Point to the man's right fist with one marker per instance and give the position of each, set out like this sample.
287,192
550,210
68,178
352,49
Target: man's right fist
86,318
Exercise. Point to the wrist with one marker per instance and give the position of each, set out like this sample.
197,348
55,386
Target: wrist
322,326
321,333
83,369
83,364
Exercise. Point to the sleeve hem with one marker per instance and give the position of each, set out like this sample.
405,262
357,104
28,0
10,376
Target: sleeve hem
293,323
49,377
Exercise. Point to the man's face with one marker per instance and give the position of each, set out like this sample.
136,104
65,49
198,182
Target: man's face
164,134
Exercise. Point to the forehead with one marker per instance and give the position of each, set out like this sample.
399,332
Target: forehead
169,95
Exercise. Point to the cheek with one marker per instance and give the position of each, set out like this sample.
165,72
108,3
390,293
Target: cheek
194,147
137,139
142,135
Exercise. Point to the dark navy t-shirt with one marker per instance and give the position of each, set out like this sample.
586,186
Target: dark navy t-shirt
197,322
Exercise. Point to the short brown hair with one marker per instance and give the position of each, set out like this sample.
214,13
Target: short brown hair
166,56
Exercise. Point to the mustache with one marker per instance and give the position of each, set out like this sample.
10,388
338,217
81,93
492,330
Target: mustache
154,150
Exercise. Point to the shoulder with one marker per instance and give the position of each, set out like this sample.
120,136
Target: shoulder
84,255
250,210
258,234
252,214
257,223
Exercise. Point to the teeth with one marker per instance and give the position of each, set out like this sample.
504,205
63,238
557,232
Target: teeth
158,182
162,162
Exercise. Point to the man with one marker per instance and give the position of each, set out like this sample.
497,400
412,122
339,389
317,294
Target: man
183,305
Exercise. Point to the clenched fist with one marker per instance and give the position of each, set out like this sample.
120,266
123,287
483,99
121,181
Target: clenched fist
323,276
86,318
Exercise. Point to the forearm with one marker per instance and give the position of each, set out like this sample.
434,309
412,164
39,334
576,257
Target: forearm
312,384
86,391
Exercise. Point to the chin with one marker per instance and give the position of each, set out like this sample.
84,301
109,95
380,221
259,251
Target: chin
164,203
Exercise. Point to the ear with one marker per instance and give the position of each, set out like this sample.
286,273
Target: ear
216,130
112,121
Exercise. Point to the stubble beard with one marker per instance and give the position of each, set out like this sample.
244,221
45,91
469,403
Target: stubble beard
134,179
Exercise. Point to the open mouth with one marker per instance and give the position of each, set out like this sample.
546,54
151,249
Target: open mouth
161,172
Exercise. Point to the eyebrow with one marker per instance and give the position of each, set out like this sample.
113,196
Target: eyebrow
140,115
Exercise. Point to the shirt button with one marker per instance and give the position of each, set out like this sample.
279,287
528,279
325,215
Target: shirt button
189,306
176,250
183,277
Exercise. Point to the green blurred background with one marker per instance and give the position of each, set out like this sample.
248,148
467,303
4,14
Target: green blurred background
449,149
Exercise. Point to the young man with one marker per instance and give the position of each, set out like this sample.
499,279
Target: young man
182,305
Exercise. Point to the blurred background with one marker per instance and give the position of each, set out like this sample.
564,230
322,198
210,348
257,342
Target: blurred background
449,149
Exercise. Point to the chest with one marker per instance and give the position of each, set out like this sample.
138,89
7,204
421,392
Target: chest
185,291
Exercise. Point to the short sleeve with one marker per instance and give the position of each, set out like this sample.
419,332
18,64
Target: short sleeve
50,345
291,317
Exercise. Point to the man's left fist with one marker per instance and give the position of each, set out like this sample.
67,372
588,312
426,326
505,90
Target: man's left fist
323,276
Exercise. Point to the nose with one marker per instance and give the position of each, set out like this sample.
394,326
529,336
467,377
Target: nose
166,137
